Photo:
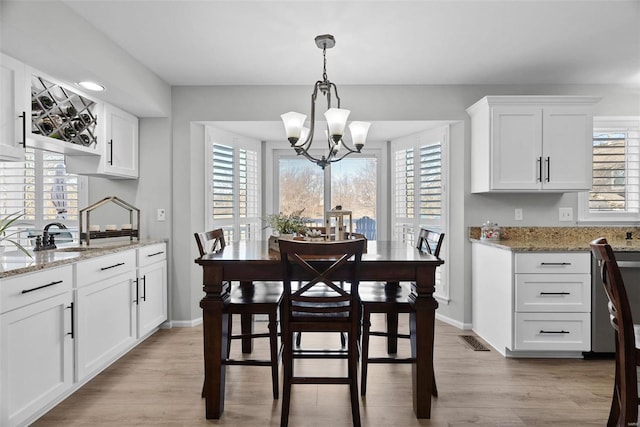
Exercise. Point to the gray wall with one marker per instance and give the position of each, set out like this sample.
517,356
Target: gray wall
265,103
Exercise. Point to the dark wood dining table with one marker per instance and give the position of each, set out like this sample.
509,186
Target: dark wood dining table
385,261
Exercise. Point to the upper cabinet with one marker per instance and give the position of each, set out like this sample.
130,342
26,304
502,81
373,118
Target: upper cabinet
119,155
531,143
12,109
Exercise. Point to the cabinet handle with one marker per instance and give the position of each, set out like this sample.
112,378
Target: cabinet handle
555,293
539,161
548,162
24,129
111,266
555,263
156,253
554,332
72,333
26,291
137,292
111,152
144,288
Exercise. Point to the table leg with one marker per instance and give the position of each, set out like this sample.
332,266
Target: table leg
246,321
422,324
392,320
215,323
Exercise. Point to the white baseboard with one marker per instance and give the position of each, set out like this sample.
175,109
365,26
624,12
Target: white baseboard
453,322
182,323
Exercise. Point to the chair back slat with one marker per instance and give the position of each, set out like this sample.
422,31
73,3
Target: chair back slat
210,241
626,392
320,293
430,241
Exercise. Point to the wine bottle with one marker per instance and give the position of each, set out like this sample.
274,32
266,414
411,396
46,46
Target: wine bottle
45,125
68,131
42,102
77,124
68,110
85,140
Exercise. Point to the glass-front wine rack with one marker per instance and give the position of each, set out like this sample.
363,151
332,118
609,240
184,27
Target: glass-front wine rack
60,113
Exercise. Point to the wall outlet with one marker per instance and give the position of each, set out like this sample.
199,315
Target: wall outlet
518,214
161,215
565,214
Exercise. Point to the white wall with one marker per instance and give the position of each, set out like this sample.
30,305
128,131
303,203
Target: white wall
265,103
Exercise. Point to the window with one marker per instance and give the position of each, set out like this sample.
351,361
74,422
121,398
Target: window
234,193
615,193
418,185
42,190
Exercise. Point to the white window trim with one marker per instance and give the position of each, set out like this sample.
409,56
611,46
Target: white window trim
584,216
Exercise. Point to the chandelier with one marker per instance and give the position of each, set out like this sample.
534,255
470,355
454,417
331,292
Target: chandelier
301,137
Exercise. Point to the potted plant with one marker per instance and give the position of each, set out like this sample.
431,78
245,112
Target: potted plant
6,236
287,224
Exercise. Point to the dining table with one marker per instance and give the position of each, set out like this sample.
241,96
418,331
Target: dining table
253,260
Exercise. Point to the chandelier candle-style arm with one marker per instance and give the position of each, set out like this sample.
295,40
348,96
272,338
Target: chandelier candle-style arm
301,137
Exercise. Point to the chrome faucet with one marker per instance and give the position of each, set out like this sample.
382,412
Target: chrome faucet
48,242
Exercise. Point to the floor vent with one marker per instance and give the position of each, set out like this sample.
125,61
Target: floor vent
473,342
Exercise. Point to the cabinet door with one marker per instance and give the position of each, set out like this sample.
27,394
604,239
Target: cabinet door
106,322
567,148
12,109
152,297
36,357
122,143
516,153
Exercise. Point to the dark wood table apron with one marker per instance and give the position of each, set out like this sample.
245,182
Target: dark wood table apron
383,261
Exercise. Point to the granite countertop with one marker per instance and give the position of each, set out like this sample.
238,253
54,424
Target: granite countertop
15,262
560,239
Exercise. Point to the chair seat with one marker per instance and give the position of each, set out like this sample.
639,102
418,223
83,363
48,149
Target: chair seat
381,293
256,293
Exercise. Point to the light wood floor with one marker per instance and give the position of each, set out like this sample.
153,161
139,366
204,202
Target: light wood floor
159,383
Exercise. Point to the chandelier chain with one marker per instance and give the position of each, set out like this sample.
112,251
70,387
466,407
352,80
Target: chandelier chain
324,69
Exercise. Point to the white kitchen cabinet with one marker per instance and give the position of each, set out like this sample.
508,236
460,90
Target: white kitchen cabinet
36,343
531,143
532,303
13,109
106,311
119,156
151,288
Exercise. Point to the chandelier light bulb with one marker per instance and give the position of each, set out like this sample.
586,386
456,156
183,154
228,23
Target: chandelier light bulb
293,124
336,121
359,132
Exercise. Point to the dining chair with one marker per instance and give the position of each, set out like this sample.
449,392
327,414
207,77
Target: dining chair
248,299
391,299
320,304
624,403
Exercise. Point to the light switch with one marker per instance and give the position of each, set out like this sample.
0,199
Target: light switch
518,214
565,214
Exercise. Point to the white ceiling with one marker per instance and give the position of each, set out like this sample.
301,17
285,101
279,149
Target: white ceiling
216,42
392,42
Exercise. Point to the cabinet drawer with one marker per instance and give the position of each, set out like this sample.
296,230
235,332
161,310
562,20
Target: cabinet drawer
553,262
553,292
152,253
553,331
100,268
29,288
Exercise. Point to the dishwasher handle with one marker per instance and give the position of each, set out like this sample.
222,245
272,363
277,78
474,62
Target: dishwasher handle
629,264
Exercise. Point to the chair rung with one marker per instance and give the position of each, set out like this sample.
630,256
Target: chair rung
320,380
391,360
261,335
247,362
386,334
320,354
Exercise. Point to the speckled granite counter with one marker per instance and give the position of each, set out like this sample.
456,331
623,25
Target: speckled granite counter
560,239
15,262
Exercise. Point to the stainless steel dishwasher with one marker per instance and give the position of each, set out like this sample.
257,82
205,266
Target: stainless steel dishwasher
602,338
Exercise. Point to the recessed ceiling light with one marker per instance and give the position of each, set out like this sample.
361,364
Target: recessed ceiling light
91,86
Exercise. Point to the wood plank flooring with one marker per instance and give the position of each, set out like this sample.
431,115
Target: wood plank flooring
159,383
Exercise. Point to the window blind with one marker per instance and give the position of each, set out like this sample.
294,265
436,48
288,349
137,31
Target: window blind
431,181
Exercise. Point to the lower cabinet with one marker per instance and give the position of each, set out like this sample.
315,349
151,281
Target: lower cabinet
151,288
534,303
106,322
36,357
61,326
